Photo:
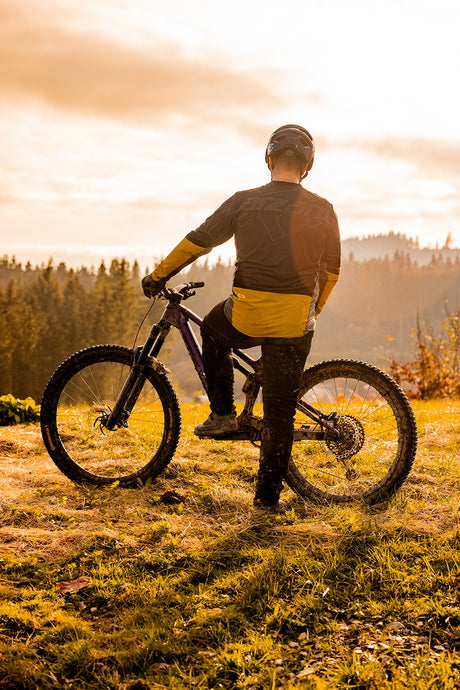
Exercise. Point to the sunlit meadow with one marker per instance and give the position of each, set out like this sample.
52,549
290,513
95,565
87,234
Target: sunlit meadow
178,584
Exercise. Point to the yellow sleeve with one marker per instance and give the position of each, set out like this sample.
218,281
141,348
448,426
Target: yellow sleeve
332,279
182,255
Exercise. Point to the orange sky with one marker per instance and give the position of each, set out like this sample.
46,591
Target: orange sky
124,123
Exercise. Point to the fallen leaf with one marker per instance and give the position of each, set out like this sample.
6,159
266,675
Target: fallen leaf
73,585
307,671
172,497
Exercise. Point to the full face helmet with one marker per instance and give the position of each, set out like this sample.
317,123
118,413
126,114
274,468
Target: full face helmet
295,139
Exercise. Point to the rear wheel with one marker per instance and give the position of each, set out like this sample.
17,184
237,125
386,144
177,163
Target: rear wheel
76,402
378,435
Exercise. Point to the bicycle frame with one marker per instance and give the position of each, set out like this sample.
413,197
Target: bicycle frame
364,449
178,316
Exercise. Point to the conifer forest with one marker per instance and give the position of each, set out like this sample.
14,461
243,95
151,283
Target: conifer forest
48,312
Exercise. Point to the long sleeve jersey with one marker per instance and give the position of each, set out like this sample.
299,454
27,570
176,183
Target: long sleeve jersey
287,257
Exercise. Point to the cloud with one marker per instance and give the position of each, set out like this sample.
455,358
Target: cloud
433,158
92,74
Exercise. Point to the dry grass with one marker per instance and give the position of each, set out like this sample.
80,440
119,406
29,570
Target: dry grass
203,594
44,514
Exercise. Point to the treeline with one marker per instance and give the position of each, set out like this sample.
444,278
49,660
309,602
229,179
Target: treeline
370,246
47,312
378,302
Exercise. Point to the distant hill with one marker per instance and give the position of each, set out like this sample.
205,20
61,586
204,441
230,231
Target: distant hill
379,246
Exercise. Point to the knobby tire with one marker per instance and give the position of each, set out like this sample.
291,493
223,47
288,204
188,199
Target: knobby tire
379,435
78,395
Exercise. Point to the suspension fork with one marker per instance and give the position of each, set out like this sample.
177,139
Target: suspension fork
251,389
136,379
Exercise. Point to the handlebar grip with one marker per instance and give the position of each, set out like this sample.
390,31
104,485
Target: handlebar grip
198,284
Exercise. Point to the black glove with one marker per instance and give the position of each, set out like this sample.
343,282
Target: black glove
152,287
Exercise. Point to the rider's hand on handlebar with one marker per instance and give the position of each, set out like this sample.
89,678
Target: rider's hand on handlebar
152,287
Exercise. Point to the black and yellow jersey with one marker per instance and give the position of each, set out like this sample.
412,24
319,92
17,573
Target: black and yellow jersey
287,257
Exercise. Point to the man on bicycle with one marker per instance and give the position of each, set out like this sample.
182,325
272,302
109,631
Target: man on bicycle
287,262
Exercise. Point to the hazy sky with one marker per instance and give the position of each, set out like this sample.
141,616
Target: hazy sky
125,123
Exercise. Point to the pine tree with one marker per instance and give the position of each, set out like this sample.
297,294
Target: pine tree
75,307
45,301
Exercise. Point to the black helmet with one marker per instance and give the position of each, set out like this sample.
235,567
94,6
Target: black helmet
293,138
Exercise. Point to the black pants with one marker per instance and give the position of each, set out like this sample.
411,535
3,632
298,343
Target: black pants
283,361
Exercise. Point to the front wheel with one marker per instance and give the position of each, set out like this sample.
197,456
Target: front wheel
78,399
377,435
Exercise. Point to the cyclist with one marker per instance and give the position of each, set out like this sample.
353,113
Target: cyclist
287,262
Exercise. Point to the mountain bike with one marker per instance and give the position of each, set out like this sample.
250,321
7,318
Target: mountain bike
111,414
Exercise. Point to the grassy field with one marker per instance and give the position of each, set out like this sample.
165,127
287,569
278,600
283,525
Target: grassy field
204,594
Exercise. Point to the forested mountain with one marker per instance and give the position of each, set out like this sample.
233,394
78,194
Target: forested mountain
48,312
376,304
380,246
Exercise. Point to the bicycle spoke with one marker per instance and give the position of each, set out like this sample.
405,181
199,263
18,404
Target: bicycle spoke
85,398
367,419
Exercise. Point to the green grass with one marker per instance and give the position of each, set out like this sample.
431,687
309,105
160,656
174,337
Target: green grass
203,594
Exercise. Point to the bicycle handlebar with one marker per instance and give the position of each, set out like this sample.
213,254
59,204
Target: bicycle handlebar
182,291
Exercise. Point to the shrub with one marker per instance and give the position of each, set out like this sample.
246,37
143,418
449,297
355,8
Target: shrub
15,411
435,371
